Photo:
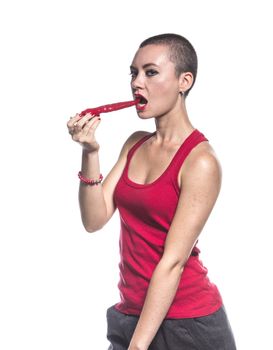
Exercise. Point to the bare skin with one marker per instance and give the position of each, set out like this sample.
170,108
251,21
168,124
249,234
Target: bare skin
199,177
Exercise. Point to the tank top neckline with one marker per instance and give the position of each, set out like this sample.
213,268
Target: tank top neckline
163,174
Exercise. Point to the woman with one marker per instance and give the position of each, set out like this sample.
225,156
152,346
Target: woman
165,185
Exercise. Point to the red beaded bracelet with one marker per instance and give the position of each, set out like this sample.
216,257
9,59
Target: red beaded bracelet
89,181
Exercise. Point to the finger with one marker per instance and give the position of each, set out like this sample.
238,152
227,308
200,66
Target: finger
82,122
73,120
79,125
92,125
89,126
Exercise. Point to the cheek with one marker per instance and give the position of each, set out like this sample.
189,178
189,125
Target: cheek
166,92
166,85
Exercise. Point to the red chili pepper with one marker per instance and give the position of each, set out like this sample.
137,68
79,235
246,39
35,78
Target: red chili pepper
109,108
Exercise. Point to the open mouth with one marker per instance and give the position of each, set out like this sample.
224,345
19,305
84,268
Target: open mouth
142,102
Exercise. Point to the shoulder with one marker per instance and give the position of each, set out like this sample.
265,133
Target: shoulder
132,140
202,157
136,136
202,164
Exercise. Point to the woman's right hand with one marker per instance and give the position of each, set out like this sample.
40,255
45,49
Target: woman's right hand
82,130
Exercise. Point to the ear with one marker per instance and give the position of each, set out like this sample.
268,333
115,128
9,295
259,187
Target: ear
185,81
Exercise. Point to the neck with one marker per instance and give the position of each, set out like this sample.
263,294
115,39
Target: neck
174,126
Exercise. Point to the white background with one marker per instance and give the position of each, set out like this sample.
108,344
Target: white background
58,58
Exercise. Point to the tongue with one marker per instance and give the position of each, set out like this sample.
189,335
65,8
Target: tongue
143,101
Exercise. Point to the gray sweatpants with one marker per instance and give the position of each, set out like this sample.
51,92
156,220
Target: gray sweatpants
211,332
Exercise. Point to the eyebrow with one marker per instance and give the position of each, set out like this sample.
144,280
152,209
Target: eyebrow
145,65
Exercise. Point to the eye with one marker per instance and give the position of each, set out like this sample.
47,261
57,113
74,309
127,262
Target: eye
151,72
133,74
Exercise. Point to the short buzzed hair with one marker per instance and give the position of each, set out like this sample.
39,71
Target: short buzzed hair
182,53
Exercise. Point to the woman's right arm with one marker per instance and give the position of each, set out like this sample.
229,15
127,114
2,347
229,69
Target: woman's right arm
96,202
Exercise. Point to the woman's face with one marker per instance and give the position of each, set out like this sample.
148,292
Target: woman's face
154,79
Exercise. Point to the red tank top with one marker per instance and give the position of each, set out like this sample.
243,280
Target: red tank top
146,213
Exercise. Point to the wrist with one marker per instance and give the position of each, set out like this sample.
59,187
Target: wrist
89,154
91,148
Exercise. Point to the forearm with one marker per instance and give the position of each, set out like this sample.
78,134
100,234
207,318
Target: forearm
160,295
91,199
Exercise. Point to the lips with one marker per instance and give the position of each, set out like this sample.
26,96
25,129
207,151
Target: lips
141,105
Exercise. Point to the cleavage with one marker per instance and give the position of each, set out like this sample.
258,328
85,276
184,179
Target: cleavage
149,163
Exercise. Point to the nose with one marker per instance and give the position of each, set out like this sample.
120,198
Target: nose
137,82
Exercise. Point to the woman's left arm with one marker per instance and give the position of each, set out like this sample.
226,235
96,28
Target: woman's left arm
201,182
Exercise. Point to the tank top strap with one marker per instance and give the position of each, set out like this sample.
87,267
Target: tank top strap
191,141
137,145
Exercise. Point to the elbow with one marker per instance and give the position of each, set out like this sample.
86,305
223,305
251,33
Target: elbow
172,264
92,224
92,228
178,266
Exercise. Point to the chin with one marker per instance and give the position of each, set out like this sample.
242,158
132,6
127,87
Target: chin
143,115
